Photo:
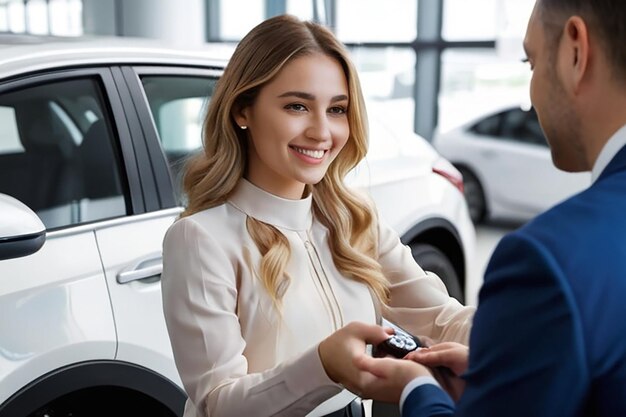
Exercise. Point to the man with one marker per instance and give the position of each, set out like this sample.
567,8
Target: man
549,334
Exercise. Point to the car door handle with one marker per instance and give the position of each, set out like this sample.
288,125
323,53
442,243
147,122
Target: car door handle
145,268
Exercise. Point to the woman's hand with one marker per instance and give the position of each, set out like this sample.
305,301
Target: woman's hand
337,351
384,379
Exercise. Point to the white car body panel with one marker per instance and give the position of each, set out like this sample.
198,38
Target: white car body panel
402,166
137,305
54,310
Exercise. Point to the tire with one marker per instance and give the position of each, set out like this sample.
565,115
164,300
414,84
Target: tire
433,259
474,196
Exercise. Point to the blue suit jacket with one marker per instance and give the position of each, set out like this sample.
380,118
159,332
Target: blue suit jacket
549,335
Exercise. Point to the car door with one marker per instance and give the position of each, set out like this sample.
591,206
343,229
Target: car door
131,252
55,312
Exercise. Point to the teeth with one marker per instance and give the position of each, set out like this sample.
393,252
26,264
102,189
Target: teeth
313,154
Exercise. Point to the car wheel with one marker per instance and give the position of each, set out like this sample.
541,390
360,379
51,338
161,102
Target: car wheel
474,196
433,259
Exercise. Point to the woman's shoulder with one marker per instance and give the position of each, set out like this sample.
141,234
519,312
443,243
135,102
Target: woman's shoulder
215,219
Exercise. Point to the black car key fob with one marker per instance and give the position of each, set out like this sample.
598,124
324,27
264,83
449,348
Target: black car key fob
398,344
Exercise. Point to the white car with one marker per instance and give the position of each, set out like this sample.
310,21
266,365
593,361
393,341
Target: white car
92,139
506,165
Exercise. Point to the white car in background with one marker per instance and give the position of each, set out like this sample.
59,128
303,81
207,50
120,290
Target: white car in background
93,136
506,166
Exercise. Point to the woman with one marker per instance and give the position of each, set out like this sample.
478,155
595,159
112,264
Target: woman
274,253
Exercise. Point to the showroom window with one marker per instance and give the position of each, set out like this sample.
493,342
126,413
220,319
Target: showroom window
57,154
42,17
373,21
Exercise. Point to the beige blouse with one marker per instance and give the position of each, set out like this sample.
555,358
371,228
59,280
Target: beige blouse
236,354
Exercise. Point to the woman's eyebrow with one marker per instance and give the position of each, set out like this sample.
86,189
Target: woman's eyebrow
340,97
298,94
311,97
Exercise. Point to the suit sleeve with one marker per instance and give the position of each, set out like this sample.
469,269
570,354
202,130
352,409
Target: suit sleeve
527,352
428,400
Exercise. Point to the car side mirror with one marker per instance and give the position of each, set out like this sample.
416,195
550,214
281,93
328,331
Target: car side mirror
21,231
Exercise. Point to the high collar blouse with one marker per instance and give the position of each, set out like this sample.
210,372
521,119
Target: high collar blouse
236,353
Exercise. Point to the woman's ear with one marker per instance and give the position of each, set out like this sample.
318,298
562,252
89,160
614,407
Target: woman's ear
240,115
575,52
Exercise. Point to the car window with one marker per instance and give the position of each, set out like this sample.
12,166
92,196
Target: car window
178,105
515,125
489,126
56,152
522,126
10,142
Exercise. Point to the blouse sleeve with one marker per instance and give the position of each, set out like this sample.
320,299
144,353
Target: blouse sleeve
419,300
199,300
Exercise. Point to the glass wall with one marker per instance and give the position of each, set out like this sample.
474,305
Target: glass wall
478,45
42,17
233,24
469,20
375,21
474,81
387,75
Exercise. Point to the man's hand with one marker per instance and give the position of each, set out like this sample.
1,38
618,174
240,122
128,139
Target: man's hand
453,357
449,354
337,351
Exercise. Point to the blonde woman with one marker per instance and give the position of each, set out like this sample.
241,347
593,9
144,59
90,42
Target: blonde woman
274,253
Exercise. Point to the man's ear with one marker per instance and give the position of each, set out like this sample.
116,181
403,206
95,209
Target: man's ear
575,53
240,115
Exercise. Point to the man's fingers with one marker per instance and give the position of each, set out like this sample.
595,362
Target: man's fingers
450,355
447,346
427,357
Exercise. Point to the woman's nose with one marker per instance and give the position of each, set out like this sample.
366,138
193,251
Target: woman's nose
319,129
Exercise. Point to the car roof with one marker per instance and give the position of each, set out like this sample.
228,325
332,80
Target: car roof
22,54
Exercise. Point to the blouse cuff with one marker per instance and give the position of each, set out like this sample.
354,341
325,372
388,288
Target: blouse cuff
308,375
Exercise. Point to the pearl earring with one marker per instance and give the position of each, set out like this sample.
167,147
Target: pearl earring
243,127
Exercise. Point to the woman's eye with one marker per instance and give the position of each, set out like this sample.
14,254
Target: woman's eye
295,107
337,110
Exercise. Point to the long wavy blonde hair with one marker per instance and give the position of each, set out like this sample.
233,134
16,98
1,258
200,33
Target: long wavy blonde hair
212,175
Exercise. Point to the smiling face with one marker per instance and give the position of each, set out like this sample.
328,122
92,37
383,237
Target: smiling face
297,125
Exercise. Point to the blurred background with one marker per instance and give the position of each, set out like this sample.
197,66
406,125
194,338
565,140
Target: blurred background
435,63
438,67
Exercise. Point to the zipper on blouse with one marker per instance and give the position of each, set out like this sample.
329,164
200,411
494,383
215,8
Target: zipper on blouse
322,278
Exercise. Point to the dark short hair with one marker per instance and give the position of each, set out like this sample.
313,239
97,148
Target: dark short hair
606,19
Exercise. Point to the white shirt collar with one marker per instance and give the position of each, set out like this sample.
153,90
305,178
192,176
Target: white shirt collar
610,149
